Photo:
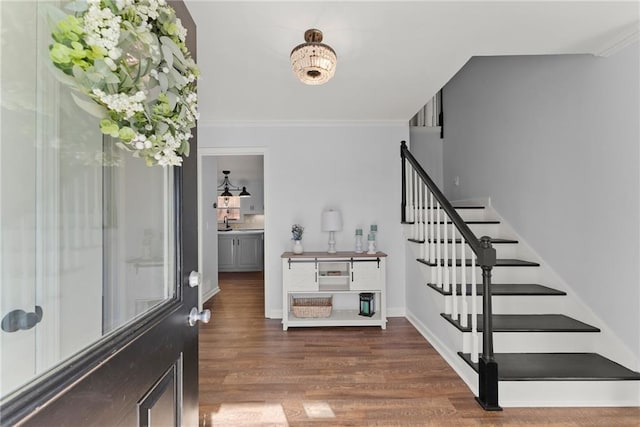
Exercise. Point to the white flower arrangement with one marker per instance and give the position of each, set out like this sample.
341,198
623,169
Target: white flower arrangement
129,57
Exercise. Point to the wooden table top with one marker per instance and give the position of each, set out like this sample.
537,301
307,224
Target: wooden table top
339,254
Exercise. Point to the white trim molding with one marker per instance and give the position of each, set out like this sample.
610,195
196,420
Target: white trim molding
625,38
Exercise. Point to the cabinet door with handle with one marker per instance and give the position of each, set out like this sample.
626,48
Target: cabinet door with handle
301,276
366,276
226,252
249,252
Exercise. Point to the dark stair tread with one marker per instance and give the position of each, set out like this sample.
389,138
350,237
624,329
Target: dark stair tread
528,323
493,240
557,367
498,289
501,262
461,207
471,221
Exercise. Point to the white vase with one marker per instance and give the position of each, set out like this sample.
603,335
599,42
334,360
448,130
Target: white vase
297,247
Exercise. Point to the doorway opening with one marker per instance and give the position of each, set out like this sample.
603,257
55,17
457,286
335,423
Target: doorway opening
232,224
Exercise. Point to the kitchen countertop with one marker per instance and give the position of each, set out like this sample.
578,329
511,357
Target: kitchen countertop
242,231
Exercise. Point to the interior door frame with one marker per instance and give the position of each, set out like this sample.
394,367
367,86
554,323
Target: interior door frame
238,151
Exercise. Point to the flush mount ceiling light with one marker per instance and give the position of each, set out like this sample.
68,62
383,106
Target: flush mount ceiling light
313,62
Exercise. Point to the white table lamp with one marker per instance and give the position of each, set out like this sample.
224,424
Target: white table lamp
331,222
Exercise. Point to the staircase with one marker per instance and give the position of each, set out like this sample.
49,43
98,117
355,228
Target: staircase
538,347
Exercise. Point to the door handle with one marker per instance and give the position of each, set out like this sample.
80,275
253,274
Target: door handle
17,320
194,279
203,316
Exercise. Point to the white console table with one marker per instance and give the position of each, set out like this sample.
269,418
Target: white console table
343,275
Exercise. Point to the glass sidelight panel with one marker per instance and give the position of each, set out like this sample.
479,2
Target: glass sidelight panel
87,239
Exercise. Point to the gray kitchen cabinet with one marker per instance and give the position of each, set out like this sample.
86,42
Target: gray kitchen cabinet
240,251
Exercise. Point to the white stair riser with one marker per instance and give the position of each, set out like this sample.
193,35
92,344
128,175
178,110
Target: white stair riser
535,342
498,274
526,304
467,214
569,393
518,304
544,342
514,275
503,250
491,230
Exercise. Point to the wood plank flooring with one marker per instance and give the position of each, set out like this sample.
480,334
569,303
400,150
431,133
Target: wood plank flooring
252,373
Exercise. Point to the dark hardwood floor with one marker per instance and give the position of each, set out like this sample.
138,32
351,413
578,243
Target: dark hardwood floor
252,373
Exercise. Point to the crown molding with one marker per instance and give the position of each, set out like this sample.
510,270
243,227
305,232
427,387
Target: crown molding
625,38
302,123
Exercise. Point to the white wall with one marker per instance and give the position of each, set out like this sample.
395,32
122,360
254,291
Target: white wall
426,147
352,168
553,140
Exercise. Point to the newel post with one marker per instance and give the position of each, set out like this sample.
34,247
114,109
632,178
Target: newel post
487,365
403,203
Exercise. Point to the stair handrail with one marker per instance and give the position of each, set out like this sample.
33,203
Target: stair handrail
486,259
462,227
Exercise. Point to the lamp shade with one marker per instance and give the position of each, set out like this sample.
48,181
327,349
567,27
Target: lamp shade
331,220
226,192
244,192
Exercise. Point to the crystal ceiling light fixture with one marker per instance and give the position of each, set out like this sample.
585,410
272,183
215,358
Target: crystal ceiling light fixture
313,62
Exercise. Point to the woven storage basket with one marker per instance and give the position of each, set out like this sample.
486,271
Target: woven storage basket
312,307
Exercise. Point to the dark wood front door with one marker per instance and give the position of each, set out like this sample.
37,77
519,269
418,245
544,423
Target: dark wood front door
145,374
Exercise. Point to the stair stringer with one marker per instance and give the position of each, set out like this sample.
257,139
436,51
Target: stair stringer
607,341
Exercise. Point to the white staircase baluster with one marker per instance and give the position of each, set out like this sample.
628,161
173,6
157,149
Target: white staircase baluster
432,247
416,216
427,208
415,205
438,245
421,209
475,350
445,259
463,265
407,166
464,307
407,207
409,193
421,217
454,288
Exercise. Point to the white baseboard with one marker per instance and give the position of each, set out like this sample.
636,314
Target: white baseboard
397,312
275,314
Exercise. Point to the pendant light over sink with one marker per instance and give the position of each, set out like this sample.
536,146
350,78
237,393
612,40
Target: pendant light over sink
226,185
313,62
